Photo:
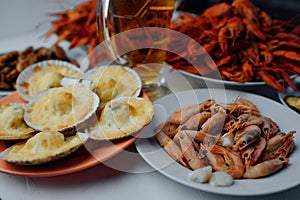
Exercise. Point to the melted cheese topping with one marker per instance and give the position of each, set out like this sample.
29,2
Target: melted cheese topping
12,124
106,90
62,108
43,142
113,82
44,147
48,77
122,117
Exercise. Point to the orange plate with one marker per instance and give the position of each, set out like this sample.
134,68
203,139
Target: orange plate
91,154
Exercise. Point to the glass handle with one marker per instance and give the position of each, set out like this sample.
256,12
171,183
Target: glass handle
103,31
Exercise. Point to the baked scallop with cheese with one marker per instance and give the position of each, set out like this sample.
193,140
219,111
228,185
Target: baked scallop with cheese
12,124
44,75
43,147
122,117
114,81
61,108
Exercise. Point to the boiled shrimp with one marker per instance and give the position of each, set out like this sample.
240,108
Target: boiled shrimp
224,159
265,168
279,145
246,136
252,154
195,122
183,114
194,159
170,147
214,125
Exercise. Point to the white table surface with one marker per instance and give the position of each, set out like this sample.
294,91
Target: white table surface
120,177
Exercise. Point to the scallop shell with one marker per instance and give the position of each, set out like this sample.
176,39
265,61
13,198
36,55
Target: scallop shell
62,108
12,124
122,117
110,82
43,147
44,75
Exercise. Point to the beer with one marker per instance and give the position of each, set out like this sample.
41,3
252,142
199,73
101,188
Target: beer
130,14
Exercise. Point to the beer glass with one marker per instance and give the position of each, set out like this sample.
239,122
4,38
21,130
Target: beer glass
133,33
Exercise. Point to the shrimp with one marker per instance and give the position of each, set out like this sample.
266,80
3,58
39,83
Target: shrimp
253,120
194,159
183,114
170,147
265,168
246,136
224,159
269,127
279,145
235,123
240,106
243,120
201,136
252,154
169,129
195,122
214,125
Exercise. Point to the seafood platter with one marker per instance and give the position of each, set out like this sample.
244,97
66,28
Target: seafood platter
232,142
59,119
53,122
247,45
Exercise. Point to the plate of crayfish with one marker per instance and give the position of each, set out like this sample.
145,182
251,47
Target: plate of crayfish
247,45
242,134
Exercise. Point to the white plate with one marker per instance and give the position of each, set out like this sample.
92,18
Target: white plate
290,91
287,120
36,40
222,82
